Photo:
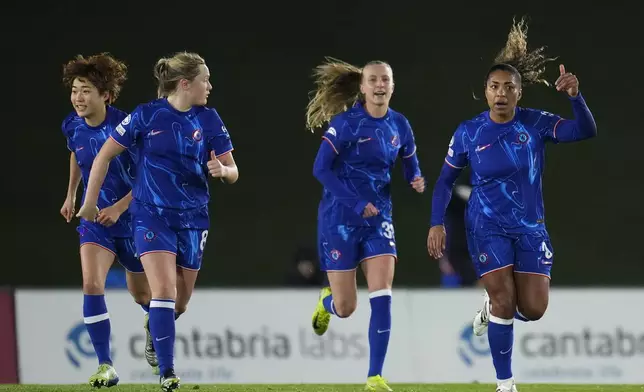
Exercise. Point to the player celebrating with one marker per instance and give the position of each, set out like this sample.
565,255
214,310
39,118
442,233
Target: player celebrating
95,83
507,237
354,165
179,141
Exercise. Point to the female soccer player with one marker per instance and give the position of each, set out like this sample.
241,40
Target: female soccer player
180,142
95,83
360,146
507,237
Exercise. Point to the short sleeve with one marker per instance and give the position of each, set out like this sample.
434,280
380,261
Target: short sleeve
68,133
220,141
457,156
129,130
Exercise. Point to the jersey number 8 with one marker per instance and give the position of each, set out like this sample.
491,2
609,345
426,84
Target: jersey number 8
204,237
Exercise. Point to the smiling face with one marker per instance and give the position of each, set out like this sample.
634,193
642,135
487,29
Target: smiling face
377,85
88,102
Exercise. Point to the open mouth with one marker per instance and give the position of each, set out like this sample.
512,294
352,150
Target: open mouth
500,105
380,94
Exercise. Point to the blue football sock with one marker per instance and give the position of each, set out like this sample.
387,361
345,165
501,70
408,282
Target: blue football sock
97,322
379,330
328,304
501,338
520,317
163,332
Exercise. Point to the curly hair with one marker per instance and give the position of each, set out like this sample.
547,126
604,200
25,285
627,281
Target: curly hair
529,66
338,88
104,71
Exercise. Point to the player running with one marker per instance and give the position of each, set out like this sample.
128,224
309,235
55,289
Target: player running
95,84
180,142
354,163
507,237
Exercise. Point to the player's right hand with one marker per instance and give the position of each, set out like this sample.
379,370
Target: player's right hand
369,211
67,210
88,213
436,241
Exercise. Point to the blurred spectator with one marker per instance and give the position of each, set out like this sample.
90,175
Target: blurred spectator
305,270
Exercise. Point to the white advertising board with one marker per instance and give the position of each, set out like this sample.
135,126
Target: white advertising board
264,336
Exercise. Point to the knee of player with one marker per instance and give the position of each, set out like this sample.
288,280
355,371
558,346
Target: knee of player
142,297
344,308
93,287
503,305
533,311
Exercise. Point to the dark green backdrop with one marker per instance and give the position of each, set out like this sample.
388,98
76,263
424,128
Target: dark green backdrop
261,56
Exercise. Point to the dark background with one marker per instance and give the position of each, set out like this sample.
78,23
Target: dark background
261,56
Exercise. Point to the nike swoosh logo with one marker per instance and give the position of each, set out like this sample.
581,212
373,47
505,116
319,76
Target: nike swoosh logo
384,330
506,351
154,133
315,323
481,148
158,340
362,140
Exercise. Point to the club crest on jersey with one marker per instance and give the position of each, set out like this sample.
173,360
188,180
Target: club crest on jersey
197,135
149,236
523,137
331,131
335,254
395,141
483,258
127,119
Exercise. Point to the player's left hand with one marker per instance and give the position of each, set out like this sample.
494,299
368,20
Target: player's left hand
418,183
567,82
108,216
88,213
216,168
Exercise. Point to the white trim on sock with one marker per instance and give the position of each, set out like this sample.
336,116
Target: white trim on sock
498,320
162,304
380,293
96,319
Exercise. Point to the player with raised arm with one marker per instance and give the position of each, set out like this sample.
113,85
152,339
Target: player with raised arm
363,140
505,222
95,83
180,142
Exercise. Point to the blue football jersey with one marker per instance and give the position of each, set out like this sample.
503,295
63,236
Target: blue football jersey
85,142
367,149
173,149
507,162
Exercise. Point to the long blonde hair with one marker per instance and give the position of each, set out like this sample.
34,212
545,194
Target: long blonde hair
337,89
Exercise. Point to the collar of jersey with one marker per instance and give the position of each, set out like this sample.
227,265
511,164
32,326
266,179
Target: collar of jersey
108,110
504,125
172,108
361,107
